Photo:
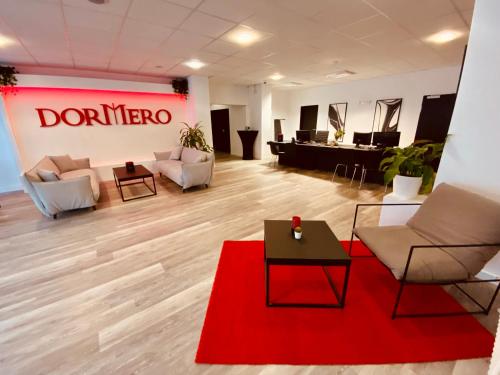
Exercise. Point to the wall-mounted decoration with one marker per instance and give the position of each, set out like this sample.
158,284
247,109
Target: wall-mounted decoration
180,86
7,79
386,116
337,113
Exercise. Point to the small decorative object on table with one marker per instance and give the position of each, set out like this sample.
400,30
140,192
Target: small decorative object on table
130,166
297,233
296,222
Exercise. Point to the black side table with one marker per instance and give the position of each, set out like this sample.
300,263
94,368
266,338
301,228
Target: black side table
247,140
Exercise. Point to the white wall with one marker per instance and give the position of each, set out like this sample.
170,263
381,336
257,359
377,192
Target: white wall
105,145
361,97
471,158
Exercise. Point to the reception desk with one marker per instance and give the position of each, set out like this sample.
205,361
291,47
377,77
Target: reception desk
322,157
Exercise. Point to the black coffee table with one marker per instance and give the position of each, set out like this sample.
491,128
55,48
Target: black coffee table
318,247
140,172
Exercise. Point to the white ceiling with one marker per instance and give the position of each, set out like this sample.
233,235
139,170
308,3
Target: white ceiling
305,39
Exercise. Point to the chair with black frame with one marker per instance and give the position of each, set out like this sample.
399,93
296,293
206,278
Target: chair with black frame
321,136
448,241
346,157
276,152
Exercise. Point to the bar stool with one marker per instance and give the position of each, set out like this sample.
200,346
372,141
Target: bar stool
345,160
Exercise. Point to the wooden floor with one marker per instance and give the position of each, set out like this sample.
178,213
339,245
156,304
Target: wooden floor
124,289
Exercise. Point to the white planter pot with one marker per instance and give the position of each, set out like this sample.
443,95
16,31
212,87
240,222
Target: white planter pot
406,187
298,235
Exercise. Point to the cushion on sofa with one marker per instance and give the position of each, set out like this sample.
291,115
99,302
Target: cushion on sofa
451,215
165,155
172,169
47,176
46,164
175,153
94,183
391,244
64,163
192,155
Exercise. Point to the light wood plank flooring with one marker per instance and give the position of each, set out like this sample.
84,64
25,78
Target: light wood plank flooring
124,289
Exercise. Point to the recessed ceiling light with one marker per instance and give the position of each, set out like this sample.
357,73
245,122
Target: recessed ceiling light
194,64
4,41
99,2
444,36
342,74
276,77
243,35
158,66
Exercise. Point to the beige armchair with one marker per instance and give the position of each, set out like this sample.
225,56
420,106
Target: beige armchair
449,240
77,188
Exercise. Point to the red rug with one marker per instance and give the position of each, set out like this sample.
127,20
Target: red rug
240,329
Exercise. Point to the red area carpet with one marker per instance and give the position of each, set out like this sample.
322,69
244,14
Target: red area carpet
240,329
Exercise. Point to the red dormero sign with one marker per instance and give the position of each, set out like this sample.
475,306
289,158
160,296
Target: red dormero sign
107,114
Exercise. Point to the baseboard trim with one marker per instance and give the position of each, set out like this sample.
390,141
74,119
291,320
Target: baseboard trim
10,188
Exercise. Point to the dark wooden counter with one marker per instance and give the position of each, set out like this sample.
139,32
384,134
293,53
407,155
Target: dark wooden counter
322,157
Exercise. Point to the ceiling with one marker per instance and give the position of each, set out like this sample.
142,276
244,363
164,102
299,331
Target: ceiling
305,40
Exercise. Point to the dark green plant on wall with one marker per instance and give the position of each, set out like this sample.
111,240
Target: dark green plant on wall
7,78
193,137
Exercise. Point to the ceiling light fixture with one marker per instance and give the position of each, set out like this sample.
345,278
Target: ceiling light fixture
4,41
276,77
99,2
342,74
243,35
444,36
194,64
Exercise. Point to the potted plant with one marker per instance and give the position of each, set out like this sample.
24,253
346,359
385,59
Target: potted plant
339,134
193,137
7,79
411,168
297,232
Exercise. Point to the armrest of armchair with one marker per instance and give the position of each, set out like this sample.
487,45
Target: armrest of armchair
65,195
378,204
197,173
83,163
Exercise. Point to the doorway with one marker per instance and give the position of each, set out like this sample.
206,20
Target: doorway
435,117
220,130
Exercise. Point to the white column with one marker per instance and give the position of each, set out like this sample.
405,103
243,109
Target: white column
260,117
9,163
198,105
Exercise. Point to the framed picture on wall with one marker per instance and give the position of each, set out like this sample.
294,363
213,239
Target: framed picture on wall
337,113
386,116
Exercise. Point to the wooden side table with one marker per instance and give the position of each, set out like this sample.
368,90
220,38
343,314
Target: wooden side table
121,174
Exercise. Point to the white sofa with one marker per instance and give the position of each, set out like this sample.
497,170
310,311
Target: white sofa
77,188
187,167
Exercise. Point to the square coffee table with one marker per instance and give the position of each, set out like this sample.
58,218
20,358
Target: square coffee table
317,247
121,174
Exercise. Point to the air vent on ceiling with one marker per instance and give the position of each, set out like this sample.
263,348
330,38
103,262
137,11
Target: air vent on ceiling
99,2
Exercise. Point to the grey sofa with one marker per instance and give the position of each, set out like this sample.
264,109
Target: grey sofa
188,167
448,241
78,188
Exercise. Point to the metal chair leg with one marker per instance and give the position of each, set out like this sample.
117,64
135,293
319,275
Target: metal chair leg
335,172
363,176
353,175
